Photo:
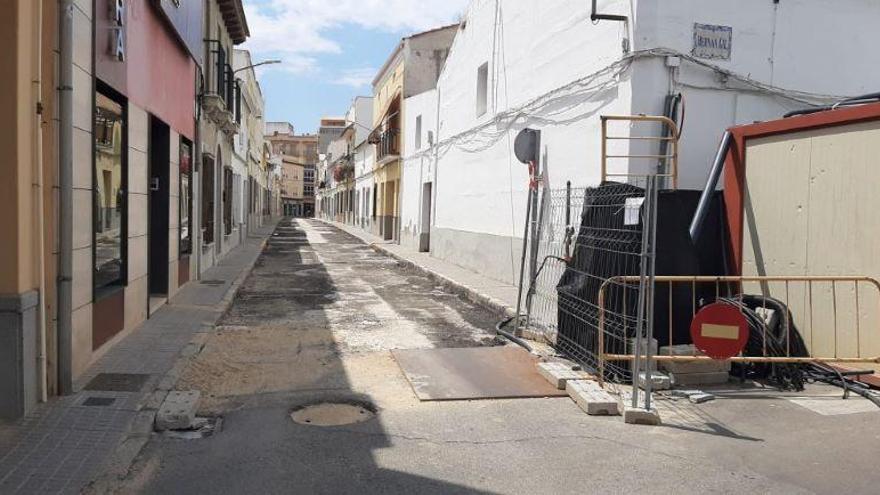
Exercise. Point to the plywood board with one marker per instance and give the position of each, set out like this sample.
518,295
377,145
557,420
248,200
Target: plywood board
473,373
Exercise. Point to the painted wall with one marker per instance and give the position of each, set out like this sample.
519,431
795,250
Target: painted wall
418,164
161,77
774,43
554,70
387,87
424,55
530,50
821,223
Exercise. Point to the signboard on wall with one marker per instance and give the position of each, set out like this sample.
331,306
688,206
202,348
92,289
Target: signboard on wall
712,42
185,18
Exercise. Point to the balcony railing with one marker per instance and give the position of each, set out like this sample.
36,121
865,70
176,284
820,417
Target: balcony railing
222,86
388,144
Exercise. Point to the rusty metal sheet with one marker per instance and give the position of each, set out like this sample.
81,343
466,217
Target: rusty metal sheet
473,373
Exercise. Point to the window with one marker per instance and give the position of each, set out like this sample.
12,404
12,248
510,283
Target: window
227,201
482,88
419,132
185,196
208,199
109,180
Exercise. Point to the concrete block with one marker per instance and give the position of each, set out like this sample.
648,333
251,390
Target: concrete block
559,373
590,397
639,416
692,367
695,396
689,379
659,381
631,346
700,398
178,410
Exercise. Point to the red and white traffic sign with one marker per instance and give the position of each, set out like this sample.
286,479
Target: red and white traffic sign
720,330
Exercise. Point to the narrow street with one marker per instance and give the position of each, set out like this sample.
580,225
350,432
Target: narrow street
315,321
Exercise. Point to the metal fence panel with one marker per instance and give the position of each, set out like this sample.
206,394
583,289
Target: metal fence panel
599,230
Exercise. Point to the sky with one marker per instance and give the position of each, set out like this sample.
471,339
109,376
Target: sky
330,50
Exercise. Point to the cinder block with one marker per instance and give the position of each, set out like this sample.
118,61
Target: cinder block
178,410
659,381
688,379
639,416
590,397
559,373
691,367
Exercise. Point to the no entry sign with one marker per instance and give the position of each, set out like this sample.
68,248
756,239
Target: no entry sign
720,331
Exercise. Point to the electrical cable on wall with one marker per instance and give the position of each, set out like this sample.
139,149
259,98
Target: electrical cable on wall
549,108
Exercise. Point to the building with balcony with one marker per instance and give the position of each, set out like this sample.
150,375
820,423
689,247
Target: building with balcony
249,144
224,27
412,69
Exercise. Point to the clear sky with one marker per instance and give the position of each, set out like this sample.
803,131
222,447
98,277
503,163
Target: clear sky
331,49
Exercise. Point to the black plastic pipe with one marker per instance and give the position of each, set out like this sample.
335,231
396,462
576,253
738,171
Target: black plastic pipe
711,183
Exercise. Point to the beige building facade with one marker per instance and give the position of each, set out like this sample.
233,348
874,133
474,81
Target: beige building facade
104,175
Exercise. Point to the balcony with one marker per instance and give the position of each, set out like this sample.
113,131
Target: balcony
221,96
387,146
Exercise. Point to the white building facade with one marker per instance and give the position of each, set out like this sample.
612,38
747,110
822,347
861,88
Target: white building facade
523,64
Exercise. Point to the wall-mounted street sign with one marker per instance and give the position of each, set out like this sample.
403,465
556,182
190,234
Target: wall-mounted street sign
720,330
712,42
117,29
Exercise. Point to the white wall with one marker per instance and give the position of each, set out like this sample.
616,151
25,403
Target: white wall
543,62
418,163
801,45
531,50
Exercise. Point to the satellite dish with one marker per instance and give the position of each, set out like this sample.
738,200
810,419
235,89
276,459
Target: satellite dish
525,147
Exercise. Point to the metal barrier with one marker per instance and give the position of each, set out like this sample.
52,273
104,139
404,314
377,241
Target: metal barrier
667,166
599,231
835,334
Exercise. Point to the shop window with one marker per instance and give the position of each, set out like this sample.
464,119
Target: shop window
185,196
110,212
208,200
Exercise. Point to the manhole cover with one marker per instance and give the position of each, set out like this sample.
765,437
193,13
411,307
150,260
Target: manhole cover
118,382
331,414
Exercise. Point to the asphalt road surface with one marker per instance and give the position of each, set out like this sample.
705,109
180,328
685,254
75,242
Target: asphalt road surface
317,319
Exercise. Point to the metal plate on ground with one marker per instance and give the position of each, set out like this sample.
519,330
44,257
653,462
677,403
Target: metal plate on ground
118,382
503,372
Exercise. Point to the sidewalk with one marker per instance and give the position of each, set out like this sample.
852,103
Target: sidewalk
490,293
65,443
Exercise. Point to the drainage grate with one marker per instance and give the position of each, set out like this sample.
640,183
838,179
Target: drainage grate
212,282
118,382
99,401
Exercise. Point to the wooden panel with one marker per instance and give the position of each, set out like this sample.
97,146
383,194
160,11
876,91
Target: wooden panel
810,209
183,271
109,318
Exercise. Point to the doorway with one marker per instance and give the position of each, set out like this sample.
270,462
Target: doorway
425,234
159,155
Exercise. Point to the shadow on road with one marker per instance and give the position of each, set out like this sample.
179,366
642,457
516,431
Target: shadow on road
274,351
